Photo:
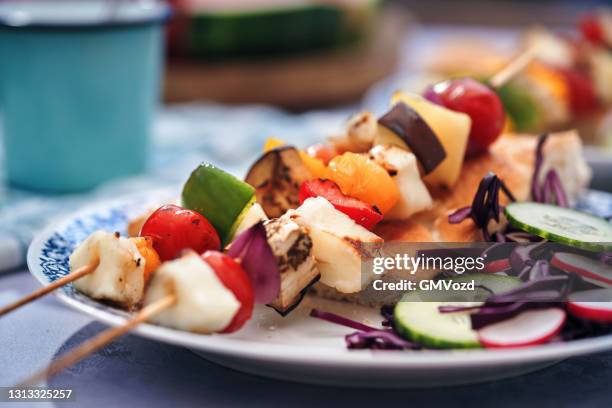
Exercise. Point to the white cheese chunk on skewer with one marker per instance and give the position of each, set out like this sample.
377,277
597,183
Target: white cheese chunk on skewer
402,166
203,304
119,277
339,243
253,215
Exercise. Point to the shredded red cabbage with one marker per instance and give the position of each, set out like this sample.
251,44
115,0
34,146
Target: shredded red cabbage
606,258
549,191
367,337
485,206
343,321
577,328
383,339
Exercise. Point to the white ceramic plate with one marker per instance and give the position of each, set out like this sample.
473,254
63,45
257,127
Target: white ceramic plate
296,348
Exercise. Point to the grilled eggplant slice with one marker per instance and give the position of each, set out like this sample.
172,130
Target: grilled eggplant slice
277,176
292,247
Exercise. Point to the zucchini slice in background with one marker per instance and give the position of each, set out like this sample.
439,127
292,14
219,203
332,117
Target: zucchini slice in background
217,30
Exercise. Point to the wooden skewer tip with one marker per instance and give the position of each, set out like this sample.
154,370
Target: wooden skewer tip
72,276
102,339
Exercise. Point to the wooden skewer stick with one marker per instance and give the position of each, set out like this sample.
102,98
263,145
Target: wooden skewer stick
79,273
513,68
80,352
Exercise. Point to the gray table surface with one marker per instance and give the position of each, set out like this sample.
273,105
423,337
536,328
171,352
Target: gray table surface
134,372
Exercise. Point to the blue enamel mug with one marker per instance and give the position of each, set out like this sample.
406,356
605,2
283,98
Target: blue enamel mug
79,85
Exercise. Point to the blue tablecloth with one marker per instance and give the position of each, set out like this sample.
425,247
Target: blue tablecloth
135,372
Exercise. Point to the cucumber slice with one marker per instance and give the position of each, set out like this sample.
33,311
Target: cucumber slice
218,196
563,225
421,321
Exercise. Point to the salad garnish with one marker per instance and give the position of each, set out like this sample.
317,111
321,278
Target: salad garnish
485,206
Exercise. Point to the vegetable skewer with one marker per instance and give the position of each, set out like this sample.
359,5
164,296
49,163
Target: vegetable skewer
167,232
77,274
515,66
99,341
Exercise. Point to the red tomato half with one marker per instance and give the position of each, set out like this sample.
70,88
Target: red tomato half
174,229
233,277
363,214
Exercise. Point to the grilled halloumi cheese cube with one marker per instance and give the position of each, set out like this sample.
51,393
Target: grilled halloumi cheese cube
292,247
119,276
203,304
339,243
403,169
563,152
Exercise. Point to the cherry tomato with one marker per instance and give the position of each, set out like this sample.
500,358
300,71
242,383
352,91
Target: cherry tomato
581,93
234,278
362,213
591,29
174,229
479,102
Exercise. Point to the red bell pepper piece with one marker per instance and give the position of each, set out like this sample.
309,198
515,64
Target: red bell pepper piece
363,214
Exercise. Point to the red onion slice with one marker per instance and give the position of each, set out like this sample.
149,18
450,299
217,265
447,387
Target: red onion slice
252,251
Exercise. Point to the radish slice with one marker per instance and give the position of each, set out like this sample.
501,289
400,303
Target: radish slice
526,329
496,266
593,270
592,305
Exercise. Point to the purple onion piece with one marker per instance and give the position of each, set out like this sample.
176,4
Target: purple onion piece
536,190
485,206
382,339
539,270
341,320
386,312
557,187
606,258
487,315
500,238
520,258
550,190
459,215
553,282
521,237
252,251
455,309
547,191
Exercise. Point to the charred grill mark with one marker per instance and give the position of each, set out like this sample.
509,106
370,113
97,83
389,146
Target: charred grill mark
299,251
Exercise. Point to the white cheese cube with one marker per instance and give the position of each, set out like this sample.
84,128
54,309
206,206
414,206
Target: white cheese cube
119,277
203,303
